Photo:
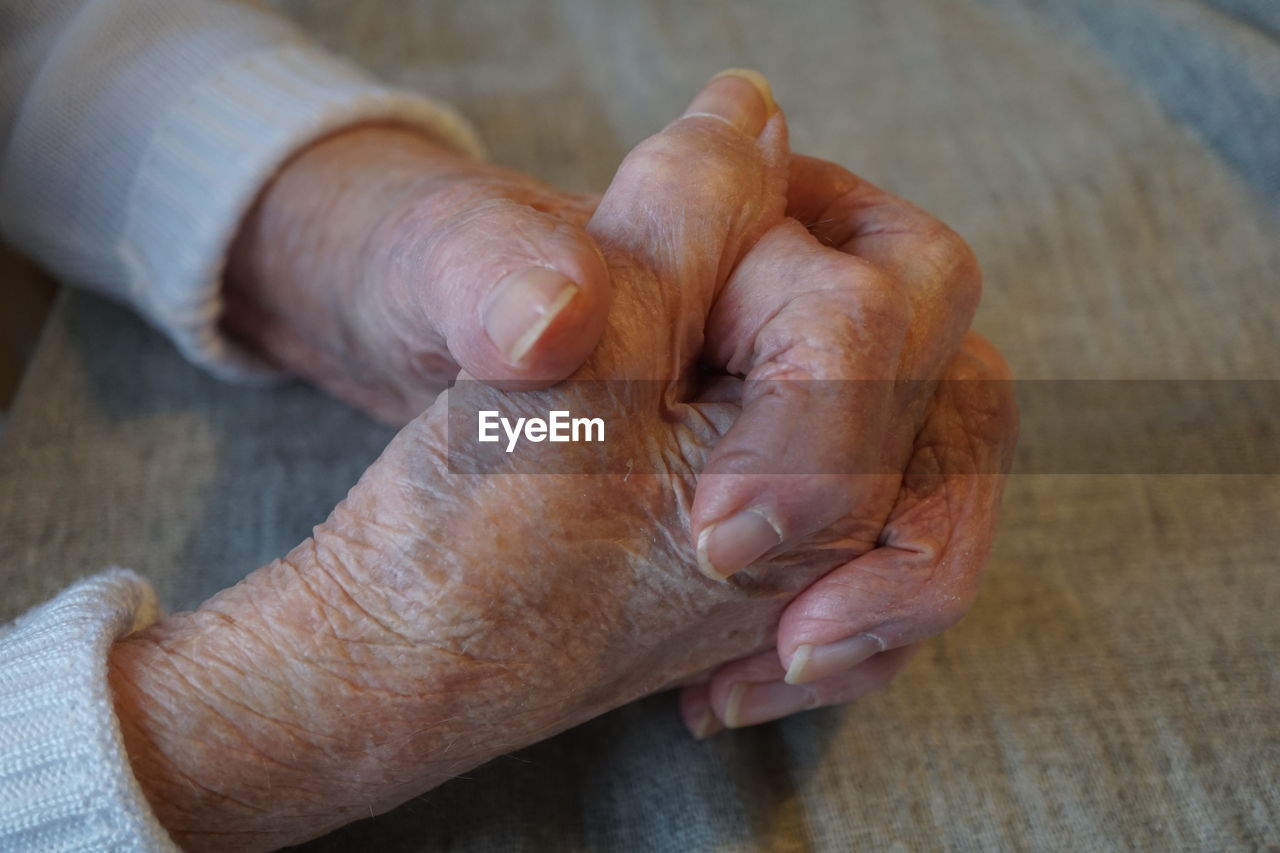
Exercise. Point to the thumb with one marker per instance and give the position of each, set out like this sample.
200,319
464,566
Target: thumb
520,295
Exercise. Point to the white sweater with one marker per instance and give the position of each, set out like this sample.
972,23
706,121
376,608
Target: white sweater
135,134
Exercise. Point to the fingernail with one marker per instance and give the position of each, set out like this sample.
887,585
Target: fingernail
707,725
758,703
734,544
523,305
755,78
814,663
740,96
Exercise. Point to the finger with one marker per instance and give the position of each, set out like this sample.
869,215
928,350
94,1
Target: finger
519,295
688,201
696,711
924,575
752,691
935,269
817,332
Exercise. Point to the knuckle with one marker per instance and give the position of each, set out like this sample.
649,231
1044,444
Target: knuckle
827,333
956,263
688,153
882,298
457,196
874,304
433,221
457,206
989,415
804,351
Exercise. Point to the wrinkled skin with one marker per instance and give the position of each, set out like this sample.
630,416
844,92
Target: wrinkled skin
436,620
367,263
367,266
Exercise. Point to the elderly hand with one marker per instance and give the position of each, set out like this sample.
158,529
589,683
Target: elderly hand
378,262
853,630
855,334
437,619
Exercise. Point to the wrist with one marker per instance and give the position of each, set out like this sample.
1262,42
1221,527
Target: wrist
291,704
214,733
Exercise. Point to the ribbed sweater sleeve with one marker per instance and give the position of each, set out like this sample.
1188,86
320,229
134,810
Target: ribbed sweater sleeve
137,133
65,779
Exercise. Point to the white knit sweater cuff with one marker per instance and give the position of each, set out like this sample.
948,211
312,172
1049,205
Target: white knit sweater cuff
65,778
213,154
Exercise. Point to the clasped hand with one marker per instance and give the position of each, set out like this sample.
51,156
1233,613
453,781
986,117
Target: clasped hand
438,619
